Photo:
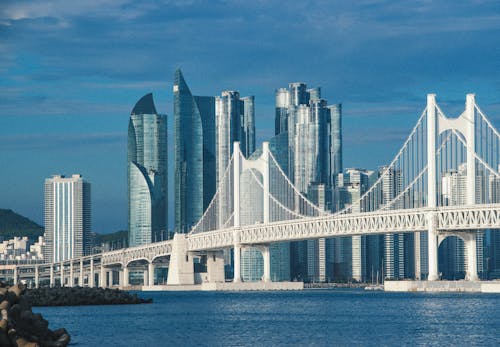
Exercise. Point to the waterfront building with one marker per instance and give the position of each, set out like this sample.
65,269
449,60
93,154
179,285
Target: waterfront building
318,252
234,121
21,250
313,131
194,154
357,257
147,173
335,140
399,249
67,218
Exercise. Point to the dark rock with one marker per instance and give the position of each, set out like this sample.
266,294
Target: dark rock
77,296
19,326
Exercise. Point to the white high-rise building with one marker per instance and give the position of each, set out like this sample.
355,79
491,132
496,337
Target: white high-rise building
313,132
67,218
352,253
234,121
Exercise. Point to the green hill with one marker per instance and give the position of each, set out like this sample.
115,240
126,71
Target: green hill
117,235
13,224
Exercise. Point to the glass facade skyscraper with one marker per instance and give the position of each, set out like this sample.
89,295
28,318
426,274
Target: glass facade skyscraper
314,134
67,218
194,154
147,173
234,121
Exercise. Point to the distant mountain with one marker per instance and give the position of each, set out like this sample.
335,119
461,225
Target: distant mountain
13,224
117,235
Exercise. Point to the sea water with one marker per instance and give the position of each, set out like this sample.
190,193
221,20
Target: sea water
309,317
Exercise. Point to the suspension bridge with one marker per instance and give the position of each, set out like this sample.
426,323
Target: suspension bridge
256,205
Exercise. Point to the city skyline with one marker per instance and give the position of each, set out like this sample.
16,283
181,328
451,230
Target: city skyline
69,115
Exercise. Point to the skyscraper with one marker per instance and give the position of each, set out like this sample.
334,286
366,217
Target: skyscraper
356,256
194,154
147,173
399,254
314,137
234,121
67,218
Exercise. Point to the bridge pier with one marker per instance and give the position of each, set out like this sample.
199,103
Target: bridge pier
266,255
37,278
80,277
181,267
62,274
151,274
125,277
470,246
71,274
432,239
92,276
51,275
15,275
237,264
215,266
102,280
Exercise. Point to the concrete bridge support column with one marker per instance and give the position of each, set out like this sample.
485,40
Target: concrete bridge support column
80,278
71,274
266,256
16,275
62,274
92,276
237,264
151,274
215,266
432,247
37,277
51,276
125,277
102,277
471,251
267,263
181,268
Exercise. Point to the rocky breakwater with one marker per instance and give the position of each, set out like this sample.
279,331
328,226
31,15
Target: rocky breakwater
20,327
77,296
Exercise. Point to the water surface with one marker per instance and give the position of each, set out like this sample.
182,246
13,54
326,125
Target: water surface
309,317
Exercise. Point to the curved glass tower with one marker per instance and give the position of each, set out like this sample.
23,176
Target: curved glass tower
147,173
194,142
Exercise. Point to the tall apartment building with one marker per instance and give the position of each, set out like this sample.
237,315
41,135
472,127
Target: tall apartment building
67,218
399,249
357,257
147,173
313,132
194,154
234,121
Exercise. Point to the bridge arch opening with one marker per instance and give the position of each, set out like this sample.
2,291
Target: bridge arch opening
452,258
137,272
161,264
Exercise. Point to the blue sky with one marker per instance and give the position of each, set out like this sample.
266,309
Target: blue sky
72,71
